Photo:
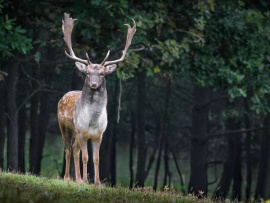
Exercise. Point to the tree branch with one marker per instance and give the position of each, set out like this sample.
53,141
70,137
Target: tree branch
213,136
119,101
28,97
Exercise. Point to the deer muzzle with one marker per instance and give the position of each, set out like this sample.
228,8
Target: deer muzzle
93,85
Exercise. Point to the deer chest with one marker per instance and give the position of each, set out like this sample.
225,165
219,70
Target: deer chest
90,119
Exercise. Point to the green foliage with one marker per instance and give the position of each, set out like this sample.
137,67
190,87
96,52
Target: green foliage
27,188
234,55
12,36
168,50
127,69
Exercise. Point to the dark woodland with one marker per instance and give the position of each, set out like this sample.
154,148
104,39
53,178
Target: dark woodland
188,109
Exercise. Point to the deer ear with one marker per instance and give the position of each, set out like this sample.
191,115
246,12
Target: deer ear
110,68
82,67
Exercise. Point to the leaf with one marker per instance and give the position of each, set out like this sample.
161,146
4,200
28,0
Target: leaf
24,50
241,3
156,69
149,72
211,5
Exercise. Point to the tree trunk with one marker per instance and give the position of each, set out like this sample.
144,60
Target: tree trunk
237,174
104,164
40,105
131,146
153,155
198,150
12,124
263,179
34,136
162,139
2,123
223,187
248,154
114,135
160,146
22,90
266,192
179,172
39,117
141,153
113,157
166,166
21,139
42,128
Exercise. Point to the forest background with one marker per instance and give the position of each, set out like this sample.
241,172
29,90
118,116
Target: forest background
188,109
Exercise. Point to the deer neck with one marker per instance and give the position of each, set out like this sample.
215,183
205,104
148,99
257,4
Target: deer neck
94,97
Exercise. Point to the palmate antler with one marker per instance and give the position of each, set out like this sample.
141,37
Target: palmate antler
67,26
131,32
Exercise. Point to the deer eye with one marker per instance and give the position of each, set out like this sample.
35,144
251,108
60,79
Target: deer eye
102,74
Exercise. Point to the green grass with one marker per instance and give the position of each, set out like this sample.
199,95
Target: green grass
28,188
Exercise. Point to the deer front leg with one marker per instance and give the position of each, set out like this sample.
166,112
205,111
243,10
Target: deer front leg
83,144
96,146
76,156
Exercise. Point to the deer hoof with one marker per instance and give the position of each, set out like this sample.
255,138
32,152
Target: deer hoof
85,181
97,183
79,181
67,179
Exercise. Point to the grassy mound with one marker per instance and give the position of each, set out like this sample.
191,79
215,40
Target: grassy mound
28,188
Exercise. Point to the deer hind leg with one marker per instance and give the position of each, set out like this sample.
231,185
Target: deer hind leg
67,157
67,141
76,156
96,146
83,145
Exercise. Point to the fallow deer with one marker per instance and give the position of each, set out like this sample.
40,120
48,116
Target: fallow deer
82,115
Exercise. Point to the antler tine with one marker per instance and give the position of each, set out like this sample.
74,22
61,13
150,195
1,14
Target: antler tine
130,33
88,60
67,27
105,58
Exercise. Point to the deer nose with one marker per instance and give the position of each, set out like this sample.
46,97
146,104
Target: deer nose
94,84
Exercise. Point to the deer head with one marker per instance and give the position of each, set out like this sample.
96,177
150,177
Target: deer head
94,72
